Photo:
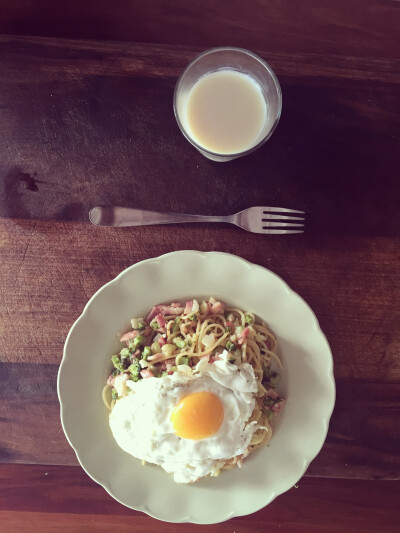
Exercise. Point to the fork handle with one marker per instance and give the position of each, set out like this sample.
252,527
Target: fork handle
128,216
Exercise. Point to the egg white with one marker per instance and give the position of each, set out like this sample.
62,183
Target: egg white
141,425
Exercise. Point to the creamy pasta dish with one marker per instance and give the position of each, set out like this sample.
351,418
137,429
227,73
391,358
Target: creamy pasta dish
193,389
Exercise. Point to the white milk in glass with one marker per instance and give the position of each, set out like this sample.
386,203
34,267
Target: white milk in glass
226,112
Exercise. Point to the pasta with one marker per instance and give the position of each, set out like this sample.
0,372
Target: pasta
176,337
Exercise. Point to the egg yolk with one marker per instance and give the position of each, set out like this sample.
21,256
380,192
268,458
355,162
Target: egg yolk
197,415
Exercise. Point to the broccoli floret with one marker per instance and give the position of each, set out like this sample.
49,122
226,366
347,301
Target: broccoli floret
137,341
134,370
146,352
124,353
248,319
117,363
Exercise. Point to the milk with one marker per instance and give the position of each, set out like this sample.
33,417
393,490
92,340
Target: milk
226,112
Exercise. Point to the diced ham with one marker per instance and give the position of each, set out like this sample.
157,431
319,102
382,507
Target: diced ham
172,309
161,320
188,307
110,380
191,306
153,313
130,335
218,308
241,338
161,341
146,373
215,307
169,310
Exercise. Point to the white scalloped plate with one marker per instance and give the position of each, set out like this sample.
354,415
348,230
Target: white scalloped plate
308,385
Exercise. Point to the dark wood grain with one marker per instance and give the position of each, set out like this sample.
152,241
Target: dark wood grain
88,123
47,498
366,29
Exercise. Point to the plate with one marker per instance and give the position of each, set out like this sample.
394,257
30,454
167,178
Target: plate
307,383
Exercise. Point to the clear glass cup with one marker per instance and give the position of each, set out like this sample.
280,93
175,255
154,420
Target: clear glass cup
239,60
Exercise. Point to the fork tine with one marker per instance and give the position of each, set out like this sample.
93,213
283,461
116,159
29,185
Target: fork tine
281,225
280,210
280,217
281,231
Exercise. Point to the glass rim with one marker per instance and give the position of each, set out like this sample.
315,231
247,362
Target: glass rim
266,66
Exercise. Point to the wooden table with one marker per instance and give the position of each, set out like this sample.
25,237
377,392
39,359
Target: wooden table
85,122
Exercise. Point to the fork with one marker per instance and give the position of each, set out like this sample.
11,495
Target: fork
265,220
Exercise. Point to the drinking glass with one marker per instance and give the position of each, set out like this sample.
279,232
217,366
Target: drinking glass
242,61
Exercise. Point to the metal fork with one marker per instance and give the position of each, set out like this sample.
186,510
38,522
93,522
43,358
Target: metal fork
267,220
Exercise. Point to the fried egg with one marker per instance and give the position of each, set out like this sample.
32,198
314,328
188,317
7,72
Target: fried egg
189,423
